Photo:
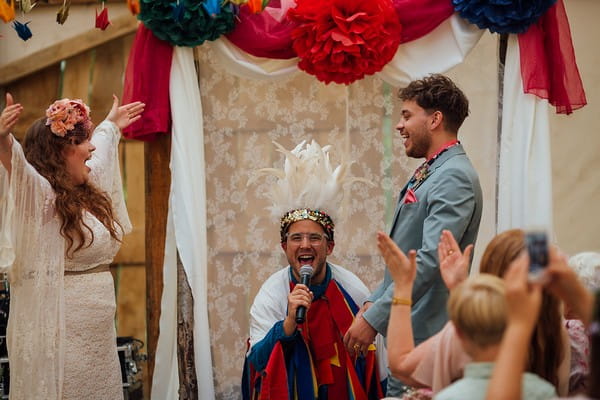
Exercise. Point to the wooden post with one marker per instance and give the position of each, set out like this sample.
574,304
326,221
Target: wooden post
188,383
158,183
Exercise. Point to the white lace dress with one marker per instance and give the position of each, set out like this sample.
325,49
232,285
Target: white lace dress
61,334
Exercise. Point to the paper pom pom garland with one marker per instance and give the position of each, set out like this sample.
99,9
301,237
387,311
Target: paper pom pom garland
343,40
502,16
185,22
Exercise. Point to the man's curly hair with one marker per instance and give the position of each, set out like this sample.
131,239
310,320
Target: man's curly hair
438,93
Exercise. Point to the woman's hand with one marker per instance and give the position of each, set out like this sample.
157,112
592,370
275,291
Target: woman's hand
125,115
402,268
10,115
454,264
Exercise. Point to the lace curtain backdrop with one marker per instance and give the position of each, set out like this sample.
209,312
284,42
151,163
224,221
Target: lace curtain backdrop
241,119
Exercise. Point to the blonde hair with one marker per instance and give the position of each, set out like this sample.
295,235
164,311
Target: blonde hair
477,307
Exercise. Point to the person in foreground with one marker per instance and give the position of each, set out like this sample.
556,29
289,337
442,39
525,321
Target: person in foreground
444,193
62,217
523,299
477,308
307,360
587,266
441,359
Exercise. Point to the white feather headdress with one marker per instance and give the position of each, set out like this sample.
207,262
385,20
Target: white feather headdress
308,187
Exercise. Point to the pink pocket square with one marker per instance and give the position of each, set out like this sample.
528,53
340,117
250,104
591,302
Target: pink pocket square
410,197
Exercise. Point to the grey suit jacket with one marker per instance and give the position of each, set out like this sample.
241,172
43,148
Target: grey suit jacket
450,198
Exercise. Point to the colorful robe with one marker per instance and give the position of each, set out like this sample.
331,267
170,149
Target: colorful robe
312,363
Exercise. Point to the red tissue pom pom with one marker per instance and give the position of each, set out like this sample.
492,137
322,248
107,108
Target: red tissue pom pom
343,40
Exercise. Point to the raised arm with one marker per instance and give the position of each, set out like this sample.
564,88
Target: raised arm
523,301
403,270
8,120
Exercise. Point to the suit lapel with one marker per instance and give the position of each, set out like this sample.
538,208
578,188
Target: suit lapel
437,163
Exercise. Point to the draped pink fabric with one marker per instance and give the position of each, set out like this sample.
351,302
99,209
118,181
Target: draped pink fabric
548,66
268,34
147,80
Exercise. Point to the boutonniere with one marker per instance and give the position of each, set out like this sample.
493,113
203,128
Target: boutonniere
421,174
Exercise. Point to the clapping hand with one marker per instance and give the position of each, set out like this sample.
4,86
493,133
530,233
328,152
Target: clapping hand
125,115
454,264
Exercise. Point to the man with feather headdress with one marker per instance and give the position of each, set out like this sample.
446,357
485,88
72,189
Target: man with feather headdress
308,360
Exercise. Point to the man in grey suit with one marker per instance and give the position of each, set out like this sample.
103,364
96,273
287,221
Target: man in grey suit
443,194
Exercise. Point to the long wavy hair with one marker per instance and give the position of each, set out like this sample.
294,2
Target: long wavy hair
45,152
547,347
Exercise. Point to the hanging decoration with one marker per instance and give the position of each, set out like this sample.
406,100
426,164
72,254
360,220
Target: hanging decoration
257,6
26,5
7,11
102,21
134,6
22,30
343,40
212,7
502,16
63,12
185,22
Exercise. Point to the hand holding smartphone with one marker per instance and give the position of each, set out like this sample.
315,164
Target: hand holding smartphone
536,242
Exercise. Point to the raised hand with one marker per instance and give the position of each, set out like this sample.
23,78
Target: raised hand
562,281
403,269
454,264
125,115
10,115
523,298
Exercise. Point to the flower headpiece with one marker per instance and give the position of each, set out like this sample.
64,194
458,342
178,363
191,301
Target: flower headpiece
64,114
307,185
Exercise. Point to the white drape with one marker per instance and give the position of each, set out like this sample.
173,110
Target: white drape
443,48
525,173
187,213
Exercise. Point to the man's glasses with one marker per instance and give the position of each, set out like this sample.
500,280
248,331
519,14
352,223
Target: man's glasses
313,237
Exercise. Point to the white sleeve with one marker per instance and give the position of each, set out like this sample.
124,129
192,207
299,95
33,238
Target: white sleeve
106,171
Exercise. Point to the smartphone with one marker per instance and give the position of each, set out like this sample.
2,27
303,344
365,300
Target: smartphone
537,247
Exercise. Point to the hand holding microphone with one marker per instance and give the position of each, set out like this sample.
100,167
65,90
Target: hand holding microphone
306,272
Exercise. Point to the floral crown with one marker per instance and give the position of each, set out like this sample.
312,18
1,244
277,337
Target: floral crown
320,217
64,114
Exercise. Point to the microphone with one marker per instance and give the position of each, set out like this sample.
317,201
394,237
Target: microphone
306,272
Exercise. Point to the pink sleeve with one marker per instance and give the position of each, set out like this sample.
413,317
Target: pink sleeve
444,363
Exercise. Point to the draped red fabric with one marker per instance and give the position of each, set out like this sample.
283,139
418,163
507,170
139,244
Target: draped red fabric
147,79
274,381
419,17
548,66
268,34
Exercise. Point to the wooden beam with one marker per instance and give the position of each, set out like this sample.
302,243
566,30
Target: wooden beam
158,183
65,49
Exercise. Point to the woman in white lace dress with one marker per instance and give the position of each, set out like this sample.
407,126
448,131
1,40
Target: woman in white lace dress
62,217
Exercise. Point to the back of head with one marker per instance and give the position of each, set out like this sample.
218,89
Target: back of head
587,267
501,251
438,93
477,307
547,348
